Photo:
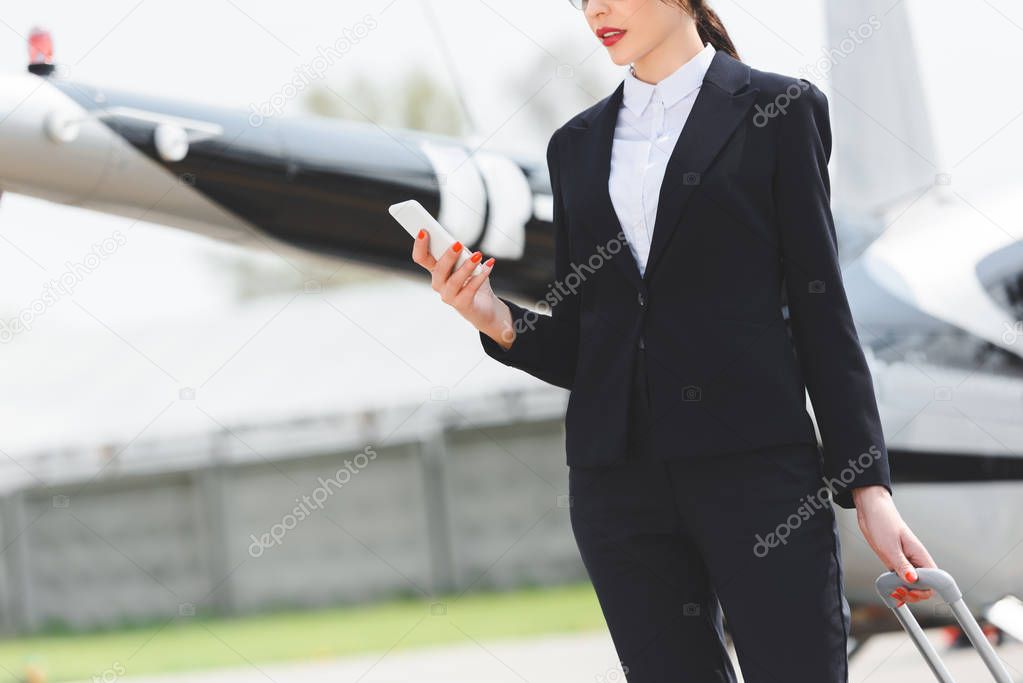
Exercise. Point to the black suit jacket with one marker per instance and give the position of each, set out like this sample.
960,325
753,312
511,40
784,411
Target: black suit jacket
743,227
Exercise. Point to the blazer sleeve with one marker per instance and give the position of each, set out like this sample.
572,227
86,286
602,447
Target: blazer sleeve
830,356
546,346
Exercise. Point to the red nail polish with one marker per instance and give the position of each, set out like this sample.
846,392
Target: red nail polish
475,258
490,262
456,247
421,235
910,576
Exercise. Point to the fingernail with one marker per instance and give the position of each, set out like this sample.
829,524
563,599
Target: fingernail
900,604
421,235
910,576
490,262
894,594
475,258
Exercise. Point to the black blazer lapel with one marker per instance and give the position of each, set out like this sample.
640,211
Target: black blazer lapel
723,102
720,107
590,156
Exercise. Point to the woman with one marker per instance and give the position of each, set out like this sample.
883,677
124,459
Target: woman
691,207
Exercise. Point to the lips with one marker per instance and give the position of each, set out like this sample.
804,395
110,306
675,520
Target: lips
609,35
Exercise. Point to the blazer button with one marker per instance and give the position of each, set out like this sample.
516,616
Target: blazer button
642,301
642,343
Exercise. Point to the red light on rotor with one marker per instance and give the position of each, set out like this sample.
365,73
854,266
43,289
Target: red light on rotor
40,47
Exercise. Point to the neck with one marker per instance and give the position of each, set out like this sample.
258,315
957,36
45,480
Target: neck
677,49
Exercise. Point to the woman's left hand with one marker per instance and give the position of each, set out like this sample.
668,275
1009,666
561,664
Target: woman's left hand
891,539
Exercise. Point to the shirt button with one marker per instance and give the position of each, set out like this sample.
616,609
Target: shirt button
642,300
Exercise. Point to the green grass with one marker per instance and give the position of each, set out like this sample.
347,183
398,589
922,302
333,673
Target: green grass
197,643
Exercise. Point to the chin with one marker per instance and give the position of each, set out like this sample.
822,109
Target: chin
620,59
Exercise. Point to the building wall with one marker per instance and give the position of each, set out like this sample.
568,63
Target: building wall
460,509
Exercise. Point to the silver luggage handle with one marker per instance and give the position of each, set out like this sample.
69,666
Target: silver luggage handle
945,586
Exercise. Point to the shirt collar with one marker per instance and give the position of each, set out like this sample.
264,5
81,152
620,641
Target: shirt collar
671,88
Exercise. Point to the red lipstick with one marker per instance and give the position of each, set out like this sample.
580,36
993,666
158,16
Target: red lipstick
609,35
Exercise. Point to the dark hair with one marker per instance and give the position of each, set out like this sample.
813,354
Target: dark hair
708,23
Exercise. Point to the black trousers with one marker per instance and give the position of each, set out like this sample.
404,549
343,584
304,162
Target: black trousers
669,545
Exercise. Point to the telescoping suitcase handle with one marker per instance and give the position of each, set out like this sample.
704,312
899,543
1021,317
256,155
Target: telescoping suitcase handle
942,583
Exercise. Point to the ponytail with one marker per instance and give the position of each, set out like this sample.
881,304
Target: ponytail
709,25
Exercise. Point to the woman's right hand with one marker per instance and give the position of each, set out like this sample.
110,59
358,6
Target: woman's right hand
468,294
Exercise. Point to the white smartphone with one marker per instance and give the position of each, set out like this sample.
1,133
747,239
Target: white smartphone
414,217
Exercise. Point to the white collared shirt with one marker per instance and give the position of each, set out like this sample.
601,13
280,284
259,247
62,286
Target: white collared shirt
649,124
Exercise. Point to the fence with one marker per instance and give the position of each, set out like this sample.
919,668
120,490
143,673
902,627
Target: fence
405,500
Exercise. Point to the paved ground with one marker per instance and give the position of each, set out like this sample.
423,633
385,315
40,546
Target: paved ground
570,659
